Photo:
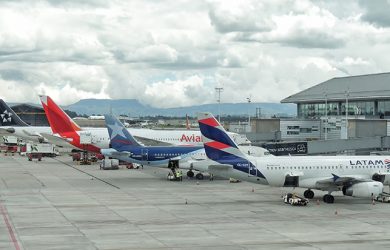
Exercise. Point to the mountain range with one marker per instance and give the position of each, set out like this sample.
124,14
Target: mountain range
134,108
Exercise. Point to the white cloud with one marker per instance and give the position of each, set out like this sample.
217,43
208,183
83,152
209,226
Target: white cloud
173,53
172,93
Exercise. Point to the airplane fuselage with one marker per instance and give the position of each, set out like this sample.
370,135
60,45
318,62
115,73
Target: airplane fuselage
157,156
309,169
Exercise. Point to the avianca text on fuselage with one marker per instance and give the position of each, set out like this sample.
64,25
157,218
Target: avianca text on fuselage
192,138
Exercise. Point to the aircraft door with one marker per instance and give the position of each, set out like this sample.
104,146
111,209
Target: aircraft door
252,170
144,153
291,181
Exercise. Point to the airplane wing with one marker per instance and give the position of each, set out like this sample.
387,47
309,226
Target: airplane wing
57,140
343,179
150,142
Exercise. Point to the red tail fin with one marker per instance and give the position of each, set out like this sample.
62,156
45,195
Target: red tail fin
59,121
188,126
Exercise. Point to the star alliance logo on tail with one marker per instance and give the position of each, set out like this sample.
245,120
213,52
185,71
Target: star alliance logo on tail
6,117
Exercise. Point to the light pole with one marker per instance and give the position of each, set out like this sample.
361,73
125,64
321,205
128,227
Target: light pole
346,114
249,115
219,90
326,116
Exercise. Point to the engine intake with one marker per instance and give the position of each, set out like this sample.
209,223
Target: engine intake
364,189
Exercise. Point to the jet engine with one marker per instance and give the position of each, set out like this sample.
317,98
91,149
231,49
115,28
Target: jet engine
364,189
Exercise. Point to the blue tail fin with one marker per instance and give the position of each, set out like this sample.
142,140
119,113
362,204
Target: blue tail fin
221,148
8,117
119,136
217,143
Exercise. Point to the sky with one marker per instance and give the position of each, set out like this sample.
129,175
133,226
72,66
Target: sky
174,53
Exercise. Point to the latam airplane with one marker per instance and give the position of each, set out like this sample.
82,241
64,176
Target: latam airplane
356,176
64,127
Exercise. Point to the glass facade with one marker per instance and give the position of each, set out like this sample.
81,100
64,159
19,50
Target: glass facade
364,108
384,108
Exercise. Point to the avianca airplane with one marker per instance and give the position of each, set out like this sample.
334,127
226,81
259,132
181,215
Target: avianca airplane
126,148
357,176
64,127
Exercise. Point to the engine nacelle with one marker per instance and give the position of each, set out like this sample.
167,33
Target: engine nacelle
364,189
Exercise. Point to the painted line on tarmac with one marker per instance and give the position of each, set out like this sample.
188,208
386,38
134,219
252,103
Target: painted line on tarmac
106,182
11,233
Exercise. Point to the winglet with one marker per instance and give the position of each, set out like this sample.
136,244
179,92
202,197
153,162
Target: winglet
335,177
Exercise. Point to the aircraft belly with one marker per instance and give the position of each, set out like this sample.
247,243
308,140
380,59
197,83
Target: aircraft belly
231,173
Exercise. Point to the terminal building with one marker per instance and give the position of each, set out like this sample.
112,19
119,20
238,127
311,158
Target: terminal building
365,96
33,115
353,107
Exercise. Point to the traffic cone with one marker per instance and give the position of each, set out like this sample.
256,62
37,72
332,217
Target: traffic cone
197,183
318,202
186,202
336,213
253,189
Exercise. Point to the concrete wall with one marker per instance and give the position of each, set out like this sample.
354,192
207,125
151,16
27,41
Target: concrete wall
366,128
331,146
265,125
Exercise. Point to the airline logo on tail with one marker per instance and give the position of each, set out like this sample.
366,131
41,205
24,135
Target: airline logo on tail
119,136
220,147
63,125
6,117
59,121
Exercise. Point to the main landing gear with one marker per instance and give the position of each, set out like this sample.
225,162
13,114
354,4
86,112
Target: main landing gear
328,198
308,194
190,173
198,176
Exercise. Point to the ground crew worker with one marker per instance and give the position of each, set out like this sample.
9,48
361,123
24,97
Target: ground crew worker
177,175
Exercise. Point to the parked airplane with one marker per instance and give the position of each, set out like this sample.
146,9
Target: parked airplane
64,127
126,148
11,124
357,176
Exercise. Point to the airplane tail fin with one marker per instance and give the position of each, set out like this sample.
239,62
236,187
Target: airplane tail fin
188,126
218,145
8,117
59,121
119,135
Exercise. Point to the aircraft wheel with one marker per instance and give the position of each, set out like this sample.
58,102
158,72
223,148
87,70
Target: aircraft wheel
308,194
190,174
199,176
328,198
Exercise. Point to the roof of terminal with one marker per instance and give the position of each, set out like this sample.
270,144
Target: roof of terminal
362,87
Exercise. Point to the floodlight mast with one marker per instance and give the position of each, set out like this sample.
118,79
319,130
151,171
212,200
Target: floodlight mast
219,90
